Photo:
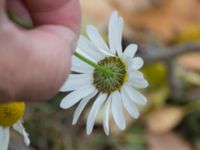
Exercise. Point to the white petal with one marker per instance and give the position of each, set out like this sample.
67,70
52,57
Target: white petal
75,96
119,36
80,66
106,116
127,62
4,138
115,33
119,40
129,105
96,38
76,81
117,110
135,74
130,50
136,79
112,31
139,83
20,129
88,48
137,63
81,107
93,112
134,95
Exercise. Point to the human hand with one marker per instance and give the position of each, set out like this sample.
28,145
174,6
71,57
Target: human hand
34,63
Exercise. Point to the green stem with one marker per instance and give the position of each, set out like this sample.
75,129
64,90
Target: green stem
19,21
27,25
91,63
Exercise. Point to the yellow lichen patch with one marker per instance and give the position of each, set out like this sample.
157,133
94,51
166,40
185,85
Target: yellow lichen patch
10,113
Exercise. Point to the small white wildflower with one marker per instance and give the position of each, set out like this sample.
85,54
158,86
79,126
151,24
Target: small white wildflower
112,91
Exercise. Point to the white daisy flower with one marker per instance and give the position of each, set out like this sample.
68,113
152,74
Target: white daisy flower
10,116
111,86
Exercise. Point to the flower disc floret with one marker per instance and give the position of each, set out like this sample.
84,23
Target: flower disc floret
112,81
10,113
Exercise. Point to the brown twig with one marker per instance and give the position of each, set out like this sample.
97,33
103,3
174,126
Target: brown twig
171,52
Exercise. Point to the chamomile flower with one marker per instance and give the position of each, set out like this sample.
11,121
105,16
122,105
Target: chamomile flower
112,84
11,116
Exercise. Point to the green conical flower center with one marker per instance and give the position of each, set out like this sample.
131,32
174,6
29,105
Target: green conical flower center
109,82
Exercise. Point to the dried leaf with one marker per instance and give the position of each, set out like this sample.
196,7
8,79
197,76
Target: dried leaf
165,119
190,61
165,20
168,141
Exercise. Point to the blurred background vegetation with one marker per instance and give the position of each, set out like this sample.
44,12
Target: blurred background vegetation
168,34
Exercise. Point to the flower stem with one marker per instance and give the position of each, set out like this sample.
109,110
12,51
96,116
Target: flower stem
19,21
27,25
91,63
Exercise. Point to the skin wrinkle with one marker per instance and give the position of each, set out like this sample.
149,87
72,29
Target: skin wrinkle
41,57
